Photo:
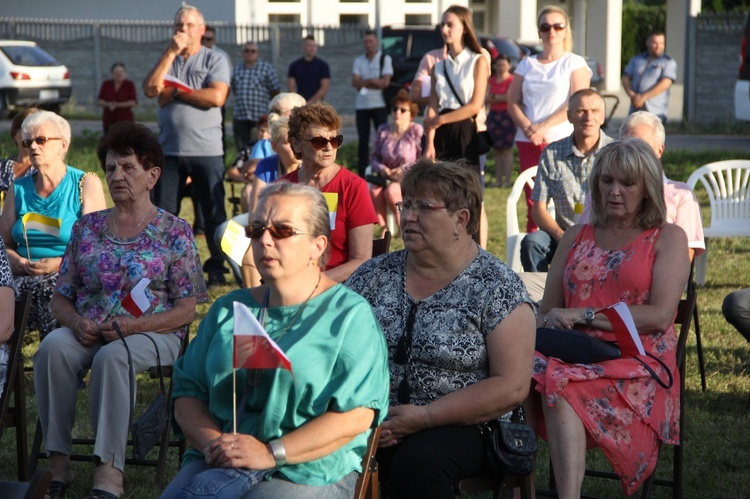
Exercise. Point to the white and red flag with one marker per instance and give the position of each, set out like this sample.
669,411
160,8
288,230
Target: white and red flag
137,302
174,82
628,341
253,348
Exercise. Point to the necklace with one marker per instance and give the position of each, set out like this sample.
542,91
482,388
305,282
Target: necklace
299,311
114,224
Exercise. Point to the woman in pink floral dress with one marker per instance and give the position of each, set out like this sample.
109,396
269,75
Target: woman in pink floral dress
627,253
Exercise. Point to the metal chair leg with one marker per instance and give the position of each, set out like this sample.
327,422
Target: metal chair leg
699,346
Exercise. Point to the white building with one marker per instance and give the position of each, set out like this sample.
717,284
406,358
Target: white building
597,24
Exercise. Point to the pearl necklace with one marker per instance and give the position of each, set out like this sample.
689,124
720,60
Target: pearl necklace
114,223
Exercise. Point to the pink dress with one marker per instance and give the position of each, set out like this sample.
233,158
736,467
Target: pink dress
624,410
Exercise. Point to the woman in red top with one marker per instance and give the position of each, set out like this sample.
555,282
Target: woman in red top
117,98
499,123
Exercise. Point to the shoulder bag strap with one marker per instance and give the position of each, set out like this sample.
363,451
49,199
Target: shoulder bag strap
450,84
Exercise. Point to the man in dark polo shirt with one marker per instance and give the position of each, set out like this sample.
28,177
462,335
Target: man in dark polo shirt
309,75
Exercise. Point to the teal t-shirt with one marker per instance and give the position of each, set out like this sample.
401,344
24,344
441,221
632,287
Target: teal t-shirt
339,361
63,204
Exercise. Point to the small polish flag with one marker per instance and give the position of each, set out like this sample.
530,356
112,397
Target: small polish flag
253,348
171,81
628,341
137,302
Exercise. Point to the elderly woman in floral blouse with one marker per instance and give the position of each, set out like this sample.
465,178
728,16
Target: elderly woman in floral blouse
397,146
109,253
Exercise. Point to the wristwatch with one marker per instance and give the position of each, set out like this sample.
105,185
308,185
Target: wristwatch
589,316
278,451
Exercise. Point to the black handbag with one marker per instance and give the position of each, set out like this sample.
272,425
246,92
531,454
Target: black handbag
484,139
573,346
148,429
510,446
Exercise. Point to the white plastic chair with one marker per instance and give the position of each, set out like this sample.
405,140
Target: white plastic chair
727,184
512,231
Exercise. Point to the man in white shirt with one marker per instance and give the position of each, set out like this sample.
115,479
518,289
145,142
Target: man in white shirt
372,73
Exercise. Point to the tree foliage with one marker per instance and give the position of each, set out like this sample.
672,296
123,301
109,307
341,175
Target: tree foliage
638,20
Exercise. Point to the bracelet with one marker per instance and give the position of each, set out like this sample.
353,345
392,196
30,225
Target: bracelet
278,451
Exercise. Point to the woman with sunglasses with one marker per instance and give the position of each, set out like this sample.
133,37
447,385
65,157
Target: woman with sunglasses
397,146
301,431
460,333
40,210
542,84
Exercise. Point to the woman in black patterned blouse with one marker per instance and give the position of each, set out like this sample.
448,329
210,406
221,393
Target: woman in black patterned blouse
460,334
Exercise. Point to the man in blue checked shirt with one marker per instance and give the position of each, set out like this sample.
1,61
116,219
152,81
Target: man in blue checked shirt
254,84
562,176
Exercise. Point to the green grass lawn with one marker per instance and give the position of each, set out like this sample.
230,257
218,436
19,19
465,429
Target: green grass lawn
717,449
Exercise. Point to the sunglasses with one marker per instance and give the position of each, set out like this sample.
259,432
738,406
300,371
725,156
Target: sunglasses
403,354
277,231
319,143
418,206
396,109
39,140
545,27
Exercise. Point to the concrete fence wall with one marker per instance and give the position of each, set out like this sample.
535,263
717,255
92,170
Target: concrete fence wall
714,50
88,52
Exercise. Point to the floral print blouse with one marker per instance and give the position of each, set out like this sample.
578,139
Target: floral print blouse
391,152
99,269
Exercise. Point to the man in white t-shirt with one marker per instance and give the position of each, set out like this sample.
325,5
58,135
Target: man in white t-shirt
372,73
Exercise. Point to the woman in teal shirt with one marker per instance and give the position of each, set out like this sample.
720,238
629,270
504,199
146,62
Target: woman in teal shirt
40,210
300,432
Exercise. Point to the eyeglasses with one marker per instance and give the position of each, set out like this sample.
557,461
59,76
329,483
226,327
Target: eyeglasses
418,206
207,38
403,355
187,25
252,51
545,27
319,143
277,231
396,109
39,140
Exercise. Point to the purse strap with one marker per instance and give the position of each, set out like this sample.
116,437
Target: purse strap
450,83
131,371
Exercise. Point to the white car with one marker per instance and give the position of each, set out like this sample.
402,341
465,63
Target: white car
29,76
742,87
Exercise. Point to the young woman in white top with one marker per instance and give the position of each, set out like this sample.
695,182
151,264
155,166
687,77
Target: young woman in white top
449,122
542,84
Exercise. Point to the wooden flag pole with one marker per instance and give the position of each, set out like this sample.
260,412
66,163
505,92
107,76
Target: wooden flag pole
234,400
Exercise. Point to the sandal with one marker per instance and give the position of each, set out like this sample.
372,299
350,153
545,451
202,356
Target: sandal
100,494
55,490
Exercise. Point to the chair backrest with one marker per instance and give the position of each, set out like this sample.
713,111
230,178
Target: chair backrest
512,232
367,483
684,318
727,184
381,246
15,344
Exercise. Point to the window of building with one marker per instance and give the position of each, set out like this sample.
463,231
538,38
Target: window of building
353,19
418,20
418,1
283,1
284,18
480,21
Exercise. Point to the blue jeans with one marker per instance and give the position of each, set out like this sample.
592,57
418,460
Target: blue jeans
537,250
378,116
236,484
207,173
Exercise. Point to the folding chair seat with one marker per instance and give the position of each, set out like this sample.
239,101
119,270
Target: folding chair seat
368,485
684,318
15,389
165,443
